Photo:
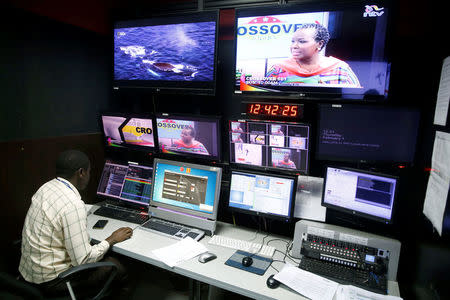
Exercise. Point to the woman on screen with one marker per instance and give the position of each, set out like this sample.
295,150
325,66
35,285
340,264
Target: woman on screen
188,143
308,66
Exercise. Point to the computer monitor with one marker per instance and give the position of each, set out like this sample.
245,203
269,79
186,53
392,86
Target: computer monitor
127,130
194,136
167,53
367,133
127,183
361,193
279,145
270,196
186,193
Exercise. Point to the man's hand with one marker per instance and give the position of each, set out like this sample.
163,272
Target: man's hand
121,234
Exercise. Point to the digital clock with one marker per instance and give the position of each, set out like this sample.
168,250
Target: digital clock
276,110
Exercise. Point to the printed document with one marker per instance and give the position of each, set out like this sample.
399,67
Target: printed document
349,292
443,97
439,181
308,200
183,250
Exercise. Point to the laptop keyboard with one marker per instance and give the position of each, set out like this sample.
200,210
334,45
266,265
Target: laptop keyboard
171,229
123,215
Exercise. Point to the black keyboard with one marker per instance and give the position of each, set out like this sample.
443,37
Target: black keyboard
164,227
123,215
345,275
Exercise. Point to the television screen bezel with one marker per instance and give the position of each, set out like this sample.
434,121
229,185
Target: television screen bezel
314,94
192,117
355,212
126,145
324,157
270,168
218,170
169,86
288,218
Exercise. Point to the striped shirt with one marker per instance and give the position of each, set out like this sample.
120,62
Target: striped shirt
54,235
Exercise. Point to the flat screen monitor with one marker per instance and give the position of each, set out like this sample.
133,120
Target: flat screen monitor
358,192
367,133
186,188
271,196
123,130
313,50
126,183
279,145
167,53
194,136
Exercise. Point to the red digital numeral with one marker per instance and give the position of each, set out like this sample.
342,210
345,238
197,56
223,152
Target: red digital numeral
285,110
256,109
294,111
274,110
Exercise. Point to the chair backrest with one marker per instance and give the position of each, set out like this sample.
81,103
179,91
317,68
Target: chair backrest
11,287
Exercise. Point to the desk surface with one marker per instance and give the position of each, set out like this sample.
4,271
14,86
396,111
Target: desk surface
215,272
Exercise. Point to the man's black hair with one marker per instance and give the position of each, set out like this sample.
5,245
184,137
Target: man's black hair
68,162
322,33
192,131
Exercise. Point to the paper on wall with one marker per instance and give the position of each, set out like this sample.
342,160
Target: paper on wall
443,97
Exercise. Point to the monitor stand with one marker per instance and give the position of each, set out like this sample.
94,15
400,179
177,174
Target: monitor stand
209,226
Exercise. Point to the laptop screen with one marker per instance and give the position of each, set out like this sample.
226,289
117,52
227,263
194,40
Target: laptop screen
129,182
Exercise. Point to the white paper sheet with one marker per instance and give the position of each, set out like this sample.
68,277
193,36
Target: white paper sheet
183,250
308,284
438,182
443,97
308,199
349,292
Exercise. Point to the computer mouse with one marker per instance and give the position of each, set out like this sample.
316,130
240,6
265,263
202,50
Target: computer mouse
247,261
207,256
272,282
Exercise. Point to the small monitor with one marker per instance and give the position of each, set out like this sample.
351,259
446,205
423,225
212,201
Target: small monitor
186,188
129,183
362,193
195,136
132,131
271,196
167,53
369,134
279,145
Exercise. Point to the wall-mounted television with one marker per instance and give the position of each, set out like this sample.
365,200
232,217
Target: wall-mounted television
367,133
313,51
275,145
129,130
167,53
189,135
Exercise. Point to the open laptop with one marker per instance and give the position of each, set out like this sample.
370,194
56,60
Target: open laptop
126,189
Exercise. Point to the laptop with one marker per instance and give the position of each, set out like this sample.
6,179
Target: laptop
126,191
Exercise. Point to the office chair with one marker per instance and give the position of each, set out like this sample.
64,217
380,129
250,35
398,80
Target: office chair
11,287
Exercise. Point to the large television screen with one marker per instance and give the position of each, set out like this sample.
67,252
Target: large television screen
278,145
367,133
313,51
167,53
195,136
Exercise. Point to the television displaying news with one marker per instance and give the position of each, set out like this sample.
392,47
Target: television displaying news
120,131
270,144
192,137
313,49
169,52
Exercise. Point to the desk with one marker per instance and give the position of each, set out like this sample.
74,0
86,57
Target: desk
215,272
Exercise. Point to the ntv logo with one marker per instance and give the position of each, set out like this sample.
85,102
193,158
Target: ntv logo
373,11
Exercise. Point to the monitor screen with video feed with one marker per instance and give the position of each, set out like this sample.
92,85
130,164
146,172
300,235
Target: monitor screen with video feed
358,192
313,50
367,133
134,132
279,145
261,194
186,188
195,136
171,52
128,182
